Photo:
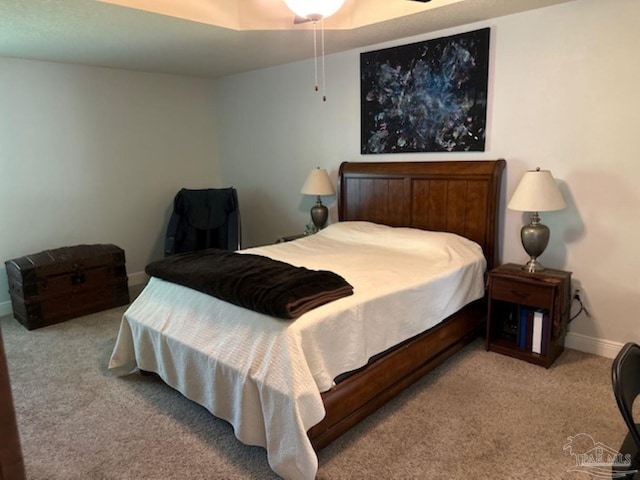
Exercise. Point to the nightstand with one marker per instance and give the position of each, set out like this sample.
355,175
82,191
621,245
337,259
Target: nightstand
528,313
290,238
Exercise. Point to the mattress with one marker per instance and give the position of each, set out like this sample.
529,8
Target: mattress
264,375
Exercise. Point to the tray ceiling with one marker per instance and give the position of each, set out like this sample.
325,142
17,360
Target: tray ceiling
213,38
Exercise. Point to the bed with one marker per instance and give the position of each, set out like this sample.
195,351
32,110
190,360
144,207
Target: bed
287,393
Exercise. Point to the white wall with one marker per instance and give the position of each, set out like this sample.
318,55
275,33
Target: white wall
95,155
92,155
563,96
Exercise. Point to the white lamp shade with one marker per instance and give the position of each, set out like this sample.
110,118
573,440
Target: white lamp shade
318,183
537,192
314,9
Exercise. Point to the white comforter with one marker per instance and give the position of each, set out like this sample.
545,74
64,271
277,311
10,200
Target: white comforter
264,375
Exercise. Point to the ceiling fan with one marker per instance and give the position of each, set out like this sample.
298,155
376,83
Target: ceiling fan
314,10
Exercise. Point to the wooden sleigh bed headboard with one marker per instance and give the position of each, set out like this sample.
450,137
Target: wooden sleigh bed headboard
461,197
454,196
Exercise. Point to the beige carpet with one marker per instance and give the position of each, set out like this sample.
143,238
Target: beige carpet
480,415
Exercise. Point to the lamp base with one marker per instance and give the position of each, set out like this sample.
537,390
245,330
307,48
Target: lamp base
535,238
533,266
319,214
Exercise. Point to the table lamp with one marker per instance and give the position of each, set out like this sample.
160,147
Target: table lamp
536,192
318,184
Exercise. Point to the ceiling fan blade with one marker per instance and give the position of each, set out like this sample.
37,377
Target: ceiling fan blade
298,20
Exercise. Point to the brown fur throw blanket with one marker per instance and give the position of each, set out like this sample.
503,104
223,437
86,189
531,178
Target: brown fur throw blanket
252,281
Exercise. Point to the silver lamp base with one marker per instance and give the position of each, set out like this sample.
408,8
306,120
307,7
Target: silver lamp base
319,214
533,266
535,238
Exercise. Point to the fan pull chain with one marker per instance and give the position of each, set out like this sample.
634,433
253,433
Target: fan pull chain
315,53
324,96
322,54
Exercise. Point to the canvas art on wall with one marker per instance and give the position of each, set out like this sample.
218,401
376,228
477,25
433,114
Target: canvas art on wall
429,96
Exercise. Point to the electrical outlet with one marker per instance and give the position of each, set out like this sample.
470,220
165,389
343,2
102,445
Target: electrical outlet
577,289
577,296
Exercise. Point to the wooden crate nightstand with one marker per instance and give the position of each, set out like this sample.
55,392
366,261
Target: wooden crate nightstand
528,313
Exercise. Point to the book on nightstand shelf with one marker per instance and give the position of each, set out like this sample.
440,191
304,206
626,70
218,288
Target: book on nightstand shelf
522,327
530,329
538,325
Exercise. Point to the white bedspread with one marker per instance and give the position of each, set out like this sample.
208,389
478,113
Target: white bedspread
264,375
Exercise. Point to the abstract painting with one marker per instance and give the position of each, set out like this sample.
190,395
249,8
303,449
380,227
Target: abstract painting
429,96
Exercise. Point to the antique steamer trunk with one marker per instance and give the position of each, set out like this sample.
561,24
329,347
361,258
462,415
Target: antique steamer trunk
56,285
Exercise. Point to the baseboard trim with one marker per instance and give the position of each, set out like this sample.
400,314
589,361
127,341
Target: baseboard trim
597,346
576,341
5,308
138,278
